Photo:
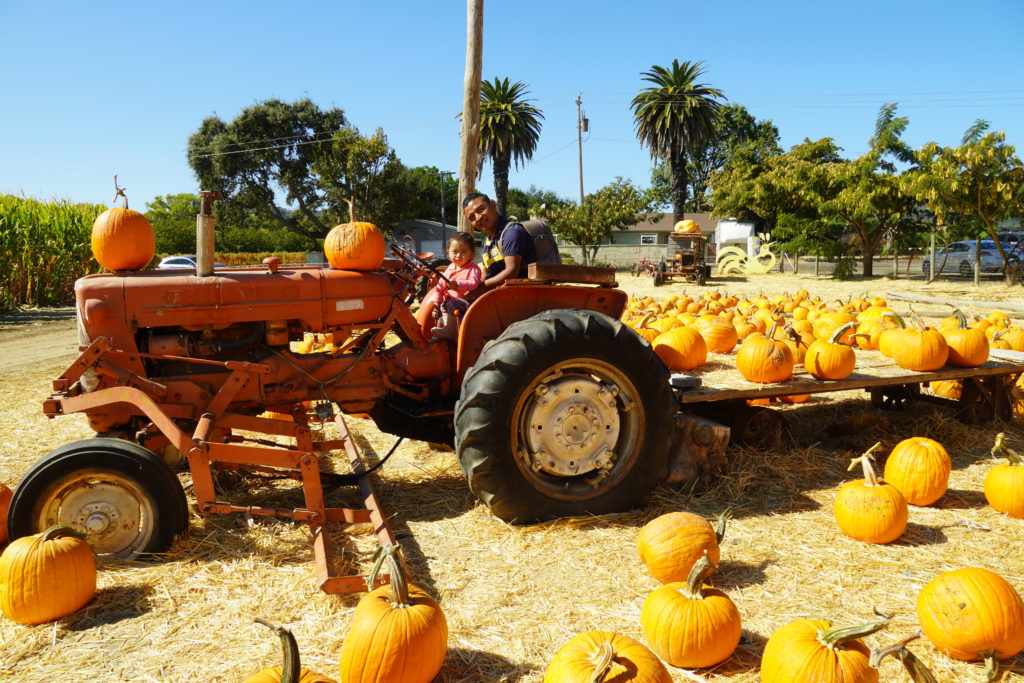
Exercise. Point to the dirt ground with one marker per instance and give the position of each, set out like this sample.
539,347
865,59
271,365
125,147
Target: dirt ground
513,596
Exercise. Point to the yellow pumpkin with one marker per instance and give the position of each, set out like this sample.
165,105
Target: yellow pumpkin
687,226
605,656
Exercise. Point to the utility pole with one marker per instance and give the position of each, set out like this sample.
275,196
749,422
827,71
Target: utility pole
470,136
441,175
582,126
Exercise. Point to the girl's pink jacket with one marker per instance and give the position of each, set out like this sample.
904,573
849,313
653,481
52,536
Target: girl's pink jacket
466,279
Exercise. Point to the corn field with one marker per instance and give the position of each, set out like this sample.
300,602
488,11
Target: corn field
44,248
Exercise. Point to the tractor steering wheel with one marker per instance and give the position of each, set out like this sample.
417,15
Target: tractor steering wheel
417,264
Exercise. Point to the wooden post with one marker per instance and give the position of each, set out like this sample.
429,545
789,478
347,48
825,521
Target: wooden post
977,261
931,258
817,265
470,135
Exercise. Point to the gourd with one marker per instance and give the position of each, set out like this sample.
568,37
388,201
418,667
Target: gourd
690,624
291,670
972,614
5,502
1004,483
605,656
830,359
122,239
763,359
681,349
919,467
398,633
670,544
356,245
968,346
869,509
814,650
46,576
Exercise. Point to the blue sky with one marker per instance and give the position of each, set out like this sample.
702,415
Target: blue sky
91,90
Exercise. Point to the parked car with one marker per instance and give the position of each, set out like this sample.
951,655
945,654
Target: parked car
959,257
182,262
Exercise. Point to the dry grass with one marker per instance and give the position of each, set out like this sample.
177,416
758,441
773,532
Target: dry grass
514,595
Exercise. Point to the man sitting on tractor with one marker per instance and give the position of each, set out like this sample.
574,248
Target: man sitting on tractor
509,247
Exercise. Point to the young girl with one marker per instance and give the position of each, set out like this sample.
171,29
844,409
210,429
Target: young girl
463,277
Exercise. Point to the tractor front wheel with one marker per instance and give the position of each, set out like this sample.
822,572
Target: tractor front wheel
122,497
566,413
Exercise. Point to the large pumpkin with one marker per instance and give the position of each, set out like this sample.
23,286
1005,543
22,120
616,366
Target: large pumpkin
869,509
681,349
687,225
605,656
46,576
968,346
123,239
356,245
830,359
972,614
919,349
291,670
398,634
670,544
763,359
919,467
1004,483
689,624
814,650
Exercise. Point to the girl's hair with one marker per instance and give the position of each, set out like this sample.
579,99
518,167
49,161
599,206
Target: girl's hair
465,238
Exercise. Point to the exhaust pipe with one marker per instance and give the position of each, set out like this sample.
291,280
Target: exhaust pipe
204,233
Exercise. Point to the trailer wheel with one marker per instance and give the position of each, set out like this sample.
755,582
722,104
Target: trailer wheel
121,496
758,427
566,413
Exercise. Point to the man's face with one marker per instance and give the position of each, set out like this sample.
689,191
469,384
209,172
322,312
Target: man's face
482,214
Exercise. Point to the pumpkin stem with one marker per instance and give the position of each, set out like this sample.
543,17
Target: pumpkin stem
695,581
961,319
917,671
60,531
119,192
399,583
870,478
834,339
837,635
351,201
899,321
991,665
722,518
290,669
602,661
1001,449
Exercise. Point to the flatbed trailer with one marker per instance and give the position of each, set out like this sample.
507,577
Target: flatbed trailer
985,396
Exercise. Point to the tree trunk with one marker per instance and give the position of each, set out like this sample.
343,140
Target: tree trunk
500,166
677,167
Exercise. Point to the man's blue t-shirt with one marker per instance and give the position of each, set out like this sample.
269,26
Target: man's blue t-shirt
511,239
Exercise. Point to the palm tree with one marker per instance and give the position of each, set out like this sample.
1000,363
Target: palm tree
675,117
509,130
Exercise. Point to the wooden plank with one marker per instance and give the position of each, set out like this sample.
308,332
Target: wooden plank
866,377
917,298
559,272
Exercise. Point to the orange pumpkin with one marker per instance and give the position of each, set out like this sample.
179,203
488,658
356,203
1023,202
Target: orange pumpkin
829,359
46,576
605,656
356,245
815,650
920,349
764,360
687,226
968,346
670,544
291,670
681,349
795,398
123,239
919,467
690,624
869,509
720,336
1004,483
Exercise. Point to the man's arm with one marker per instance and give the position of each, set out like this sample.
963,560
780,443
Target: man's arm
512,262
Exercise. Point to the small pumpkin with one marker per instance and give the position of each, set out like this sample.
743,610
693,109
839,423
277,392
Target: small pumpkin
795,398
830,359
356,245
947,388
681,349
291,670
919,467
398,633
599,656
5,503
1004,483
763,359
122,239
972,614
690,624
869,509
670,544
46,576
920,349
968,346
815,650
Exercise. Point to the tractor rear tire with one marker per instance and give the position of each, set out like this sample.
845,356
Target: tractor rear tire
121,496
566,413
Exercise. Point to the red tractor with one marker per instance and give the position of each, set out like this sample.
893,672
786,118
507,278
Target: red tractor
554,407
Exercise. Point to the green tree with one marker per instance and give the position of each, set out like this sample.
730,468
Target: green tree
619,204
674,118
173,217
737,135
524,203
425,185
509,130
982,178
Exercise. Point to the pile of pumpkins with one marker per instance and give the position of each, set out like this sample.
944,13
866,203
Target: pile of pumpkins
968,613
775,334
